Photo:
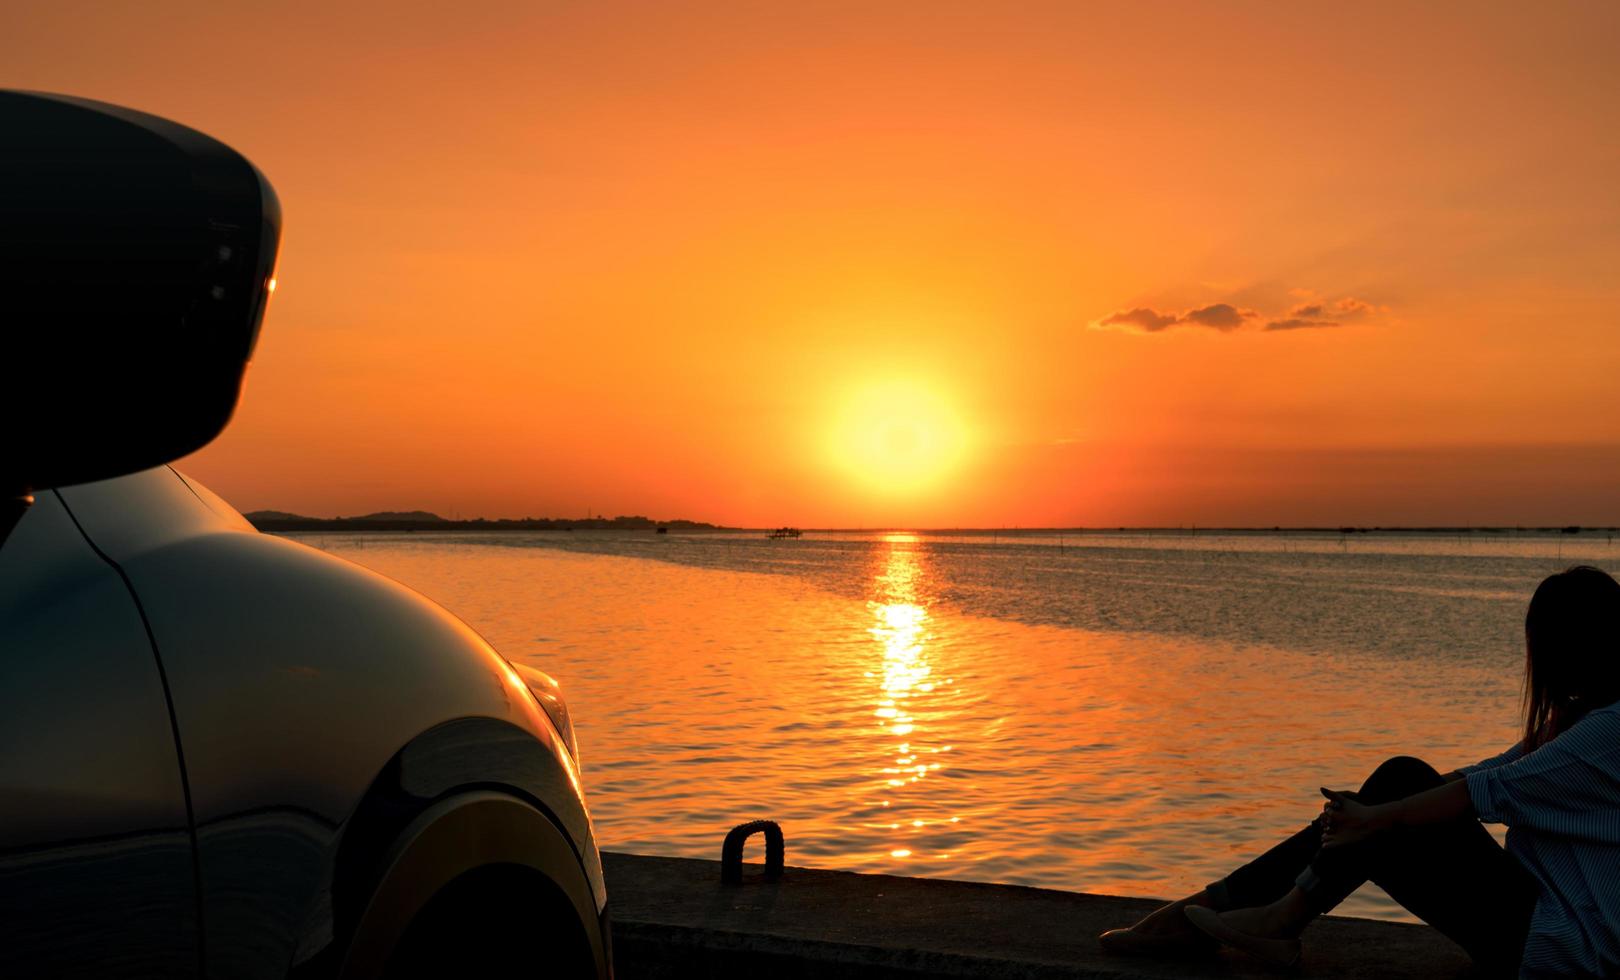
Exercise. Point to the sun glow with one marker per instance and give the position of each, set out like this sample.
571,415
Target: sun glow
897,436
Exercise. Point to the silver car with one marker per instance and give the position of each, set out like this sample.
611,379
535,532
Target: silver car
224,753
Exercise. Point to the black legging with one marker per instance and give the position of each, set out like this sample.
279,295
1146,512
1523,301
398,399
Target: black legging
1453,875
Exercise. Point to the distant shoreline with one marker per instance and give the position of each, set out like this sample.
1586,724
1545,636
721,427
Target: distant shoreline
278,522
423,521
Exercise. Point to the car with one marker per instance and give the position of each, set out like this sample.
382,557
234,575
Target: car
227,754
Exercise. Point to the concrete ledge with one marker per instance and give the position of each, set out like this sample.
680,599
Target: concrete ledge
672,918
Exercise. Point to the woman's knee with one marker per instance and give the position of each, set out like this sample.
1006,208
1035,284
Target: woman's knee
1397,778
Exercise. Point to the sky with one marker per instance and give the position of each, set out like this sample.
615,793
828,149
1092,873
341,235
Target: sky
926,265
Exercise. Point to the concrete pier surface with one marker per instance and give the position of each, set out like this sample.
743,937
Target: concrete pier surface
673,918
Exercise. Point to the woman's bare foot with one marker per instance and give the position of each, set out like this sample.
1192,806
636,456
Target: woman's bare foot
1285,918
1169,919
1165,930
1269,932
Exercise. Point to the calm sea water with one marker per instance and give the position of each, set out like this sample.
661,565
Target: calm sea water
1130,714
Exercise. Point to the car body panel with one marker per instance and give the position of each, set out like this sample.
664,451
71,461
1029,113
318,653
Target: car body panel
303,687
95,847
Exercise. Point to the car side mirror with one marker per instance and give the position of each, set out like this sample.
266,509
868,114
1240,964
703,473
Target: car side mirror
136,258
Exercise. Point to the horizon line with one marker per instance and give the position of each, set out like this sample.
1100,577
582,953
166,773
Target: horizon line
638,521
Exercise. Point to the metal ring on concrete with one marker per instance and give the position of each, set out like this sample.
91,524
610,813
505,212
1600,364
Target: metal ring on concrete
731,851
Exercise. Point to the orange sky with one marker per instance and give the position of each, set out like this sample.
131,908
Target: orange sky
686,260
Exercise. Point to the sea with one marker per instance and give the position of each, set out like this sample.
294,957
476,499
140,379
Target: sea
1128,713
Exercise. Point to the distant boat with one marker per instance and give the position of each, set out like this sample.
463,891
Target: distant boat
786,532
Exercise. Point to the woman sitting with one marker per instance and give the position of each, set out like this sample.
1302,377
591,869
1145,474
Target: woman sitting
1548,905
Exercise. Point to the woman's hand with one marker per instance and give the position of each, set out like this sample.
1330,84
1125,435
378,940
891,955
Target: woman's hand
1345,821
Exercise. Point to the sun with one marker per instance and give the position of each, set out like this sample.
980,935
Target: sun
897,436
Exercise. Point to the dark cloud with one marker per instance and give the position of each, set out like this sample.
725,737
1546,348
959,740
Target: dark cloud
1142,317
1311,314
1221,316
1299,323
1315,314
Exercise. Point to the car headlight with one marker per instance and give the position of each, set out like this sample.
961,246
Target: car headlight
548,692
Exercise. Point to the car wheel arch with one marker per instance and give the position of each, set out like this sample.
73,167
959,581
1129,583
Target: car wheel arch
469,831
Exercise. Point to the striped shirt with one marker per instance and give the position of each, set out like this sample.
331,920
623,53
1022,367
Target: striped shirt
1561,804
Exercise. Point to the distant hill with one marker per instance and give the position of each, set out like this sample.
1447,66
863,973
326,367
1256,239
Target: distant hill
412,516
256,516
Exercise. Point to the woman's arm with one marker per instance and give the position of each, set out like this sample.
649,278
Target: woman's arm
1345,821
1568,786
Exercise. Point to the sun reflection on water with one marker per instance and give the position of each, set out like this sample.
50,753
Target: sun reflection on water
905,676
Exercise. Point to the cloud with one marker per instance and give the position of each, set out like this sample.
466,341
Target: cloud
1221,316
1308,315
1312,313
1141,317
1299,323
1302,317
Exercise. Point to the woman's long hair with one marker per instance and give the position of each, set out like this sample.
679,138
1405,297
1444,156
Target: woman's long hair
1572,651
